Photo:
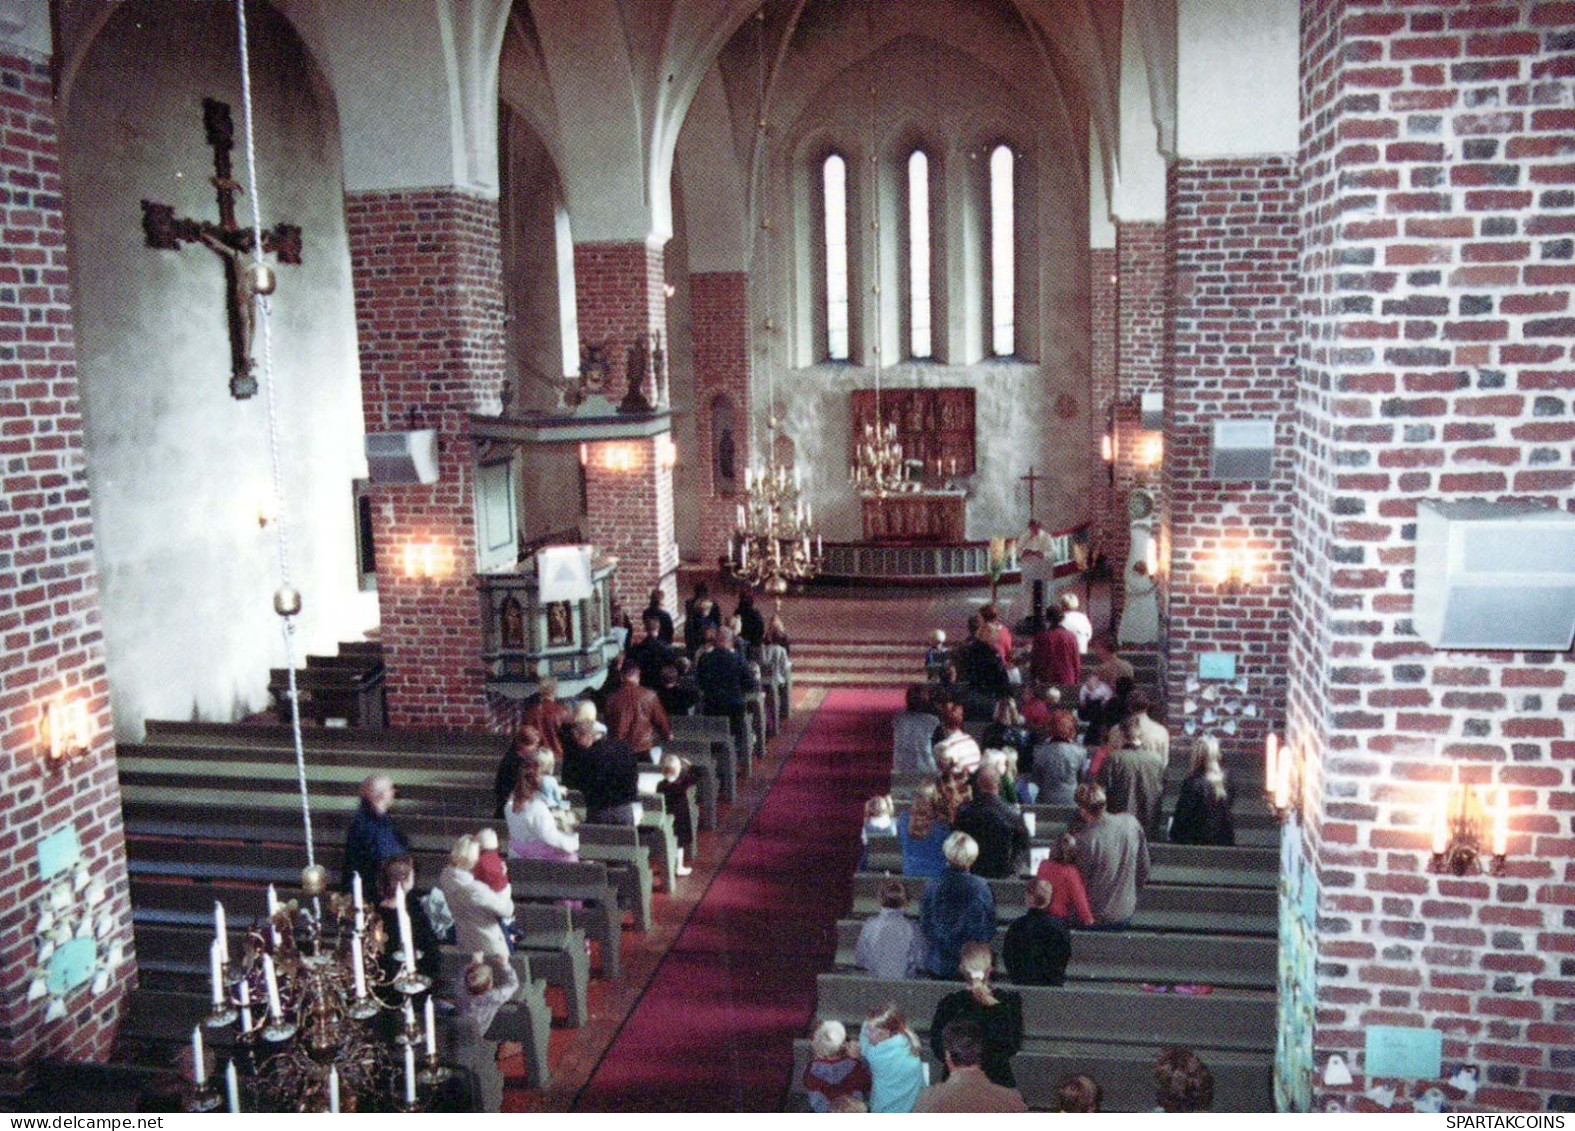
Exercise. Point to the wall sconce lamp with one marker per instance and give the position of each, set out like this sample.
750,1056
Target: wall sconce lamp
425,560
1280,779
666,451
1107,448
1152,450
64,730
585,455
1459,831
1233,570
617,457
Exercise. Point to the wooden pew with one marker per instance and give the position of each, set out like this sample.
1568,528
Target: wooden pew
278,736
354,694
1169,863
525,1018
714,730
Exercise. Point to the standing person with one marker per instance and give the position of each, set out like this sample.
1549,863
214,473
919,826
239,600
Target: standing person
922,834
678,698
676,789
751,625
700,614
1007,731
663,618
1068,896
609,774
1076,621
1110,666
912,734
534,830
1112,855
1000,637
1203,808
725,683
373,836
651,653
1057,658
995,826
776,664
548,715
892,1052
1037,946
890,945
1058,763
957,909
998,1013
396,886
958,751
1133,773
483,989
635,715
479,911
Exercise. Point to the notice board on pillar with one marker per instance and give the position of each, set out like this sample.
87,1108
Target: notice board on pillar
933,425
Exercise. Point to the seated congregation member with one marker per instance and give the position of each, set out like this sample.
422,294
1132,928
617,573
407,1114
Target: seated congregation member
891,1050
1182,1082
996,828
957,750
484,987
1078,1094
535,831
958,908
1058,763
1037,946
1039,699
725,683
1112,855
373,837
913,733
836,1071
922,834
998,1013
526,744
635,715
479,911
1093,697
967,1087
1068,898
1007,731
1076,621
879,821
1133,772
1056,658
1203,808
663,618
396,886
890,945
608,773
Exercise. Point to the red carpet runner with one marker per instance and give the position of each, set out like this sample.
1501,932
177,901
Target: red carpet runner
715,1028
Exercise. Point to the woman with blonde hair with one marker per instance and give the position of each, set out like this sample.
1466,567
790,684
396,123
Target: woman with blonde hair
998,1013
922,831
1203,807
479,912
892,1053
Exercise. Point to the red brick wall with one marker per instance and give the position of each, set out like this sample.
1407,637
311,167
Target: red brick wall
1439,209
1102,328
429,310
49,613
619,291
1234,263
719,301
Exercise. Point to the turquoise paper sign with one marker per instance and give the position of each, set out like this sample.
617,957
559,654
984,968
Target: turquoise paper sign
1217,665
58,852
1397,1052
71,965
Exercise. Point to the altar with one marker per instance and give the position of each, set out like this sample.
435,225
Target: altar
937,515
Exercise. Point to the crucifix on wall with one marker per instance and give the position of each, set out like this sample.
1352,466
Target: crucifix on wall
1032,478
245,276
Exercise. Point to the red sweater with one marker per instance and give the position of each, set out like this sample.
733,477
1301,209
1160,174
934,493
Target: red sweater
1070,901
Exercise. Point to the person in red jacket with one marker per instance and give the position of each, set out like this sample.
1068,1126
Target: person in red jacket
1056,658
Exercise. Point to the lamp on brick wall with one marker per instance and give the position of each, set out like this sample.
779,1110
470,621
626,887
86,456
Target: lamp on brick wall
1461,826
426,560
63,730
666,451
1233,570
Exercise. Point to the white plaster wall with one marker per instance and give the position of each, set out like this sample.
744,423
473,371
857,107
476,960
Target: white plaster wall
1139,190
176,466
1237,69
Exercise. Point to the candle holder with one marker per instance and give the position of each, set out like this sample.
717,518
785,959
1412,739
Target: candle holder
204,1097
223,1012
433,1072
410,983
1460,843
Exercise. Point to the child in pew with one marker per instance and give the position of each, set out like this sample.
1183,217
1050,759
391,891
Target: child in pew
878,821
491,870
678,779
552,791
837,1069
1037,946
1069,903
1078,1094
890,945
897,1072
1182,1082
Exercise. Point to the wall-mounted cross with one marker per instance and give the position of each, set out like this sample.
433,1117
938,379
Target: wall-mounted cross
1031,478
244,276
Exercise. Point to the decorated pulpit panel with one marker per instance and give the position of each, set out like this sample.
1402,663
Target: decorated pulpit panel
935,426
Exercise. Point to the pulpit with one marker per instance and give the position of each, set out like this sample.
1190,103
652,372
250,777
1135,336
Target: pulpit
935,516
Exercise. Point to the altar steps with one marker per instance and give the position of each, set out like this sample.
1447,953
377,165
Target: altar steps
839,663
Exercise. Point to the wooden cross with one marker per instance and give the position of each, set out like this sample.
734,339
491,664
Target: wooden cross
244,277
1031,478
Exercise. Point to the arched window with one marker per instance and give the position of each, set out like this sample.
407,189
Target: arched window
919,343
1003,253
834,193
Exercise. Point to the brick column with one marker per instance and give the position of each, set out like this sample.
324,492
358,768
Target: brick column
1102,326
1439,202
429,311
720,303
1140,339
1232,356
49,611
619,292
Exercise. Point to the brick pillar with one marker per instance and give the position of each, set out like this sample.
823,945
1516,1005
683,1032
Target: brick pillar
720,302
619,292
1439,203
1234,227
429,311
1102,326
1140,339
49,611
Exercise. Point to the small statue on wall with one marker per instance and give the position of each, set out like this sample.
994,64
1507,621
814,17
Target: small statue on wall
636,369
511,623
558,632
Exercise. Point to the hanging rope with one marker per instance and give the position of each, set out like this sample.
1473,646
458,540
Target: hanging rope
264,322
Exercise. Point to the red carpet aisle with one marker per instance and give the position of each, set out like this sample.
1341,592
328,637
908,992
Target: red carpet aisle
715,1029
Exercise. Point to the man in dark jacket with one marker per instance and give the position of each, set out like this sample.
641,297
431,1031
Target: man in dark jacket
725,682
1037,946
651,653
664,619
372,838
607,771
995,826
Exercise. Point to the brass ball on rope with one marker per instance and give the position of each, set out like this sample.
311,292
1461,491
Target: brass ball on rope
287,600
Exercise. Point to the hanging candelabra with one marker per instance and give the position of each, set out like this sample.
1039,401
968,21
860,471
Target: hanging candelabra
879,467
774,543
306,996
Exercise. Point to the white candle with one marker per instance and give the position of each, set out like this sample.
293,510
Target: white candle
410,1075
1441,829
405,942
246,1006
355,892
221,928
333,1090
273,909
271,980
1271,753
232,1088
199,1067
431,1020
1501,825
410,1017
216,973
358,965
